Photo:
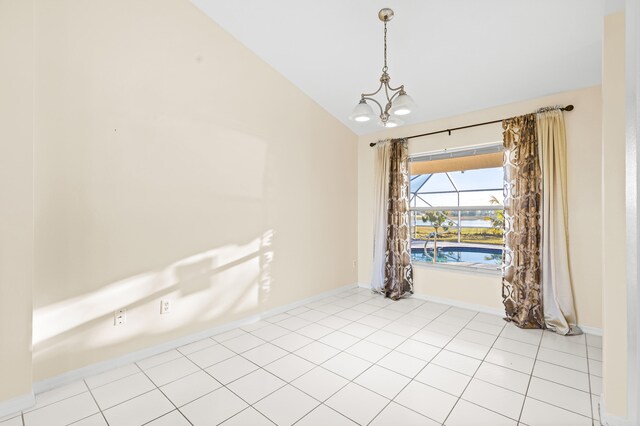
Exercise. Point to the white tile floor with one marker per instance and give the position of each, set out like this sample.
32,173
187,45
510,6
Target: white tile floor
354,358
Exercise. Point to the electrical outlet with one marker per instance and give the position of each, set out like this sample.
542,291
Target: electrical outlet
120,317
165,306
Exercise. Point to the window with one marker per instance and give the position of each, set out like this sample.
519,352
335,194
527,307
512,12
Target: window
456,202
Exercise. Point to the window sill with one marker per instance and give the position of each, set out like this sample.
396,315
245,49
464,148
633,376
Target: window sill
469,268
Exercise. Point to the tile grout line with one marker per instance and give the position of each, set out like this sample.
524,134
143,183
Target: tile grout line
141,370
166,414
593,420
560,407
57,401
166,397
250,406
517,371
97,405
474,374
545,361
561,384
230,390
533,367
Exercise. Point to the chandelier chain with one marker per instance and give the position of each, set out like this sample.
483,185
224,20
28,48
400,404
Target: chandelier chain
385,68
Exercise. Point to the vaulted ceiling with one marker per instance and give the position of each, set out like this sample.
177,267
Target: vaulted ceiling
453,56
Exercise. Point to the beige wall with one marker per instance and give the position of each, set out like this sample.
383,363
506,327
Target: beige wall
614,386
584,188
170,162
16,196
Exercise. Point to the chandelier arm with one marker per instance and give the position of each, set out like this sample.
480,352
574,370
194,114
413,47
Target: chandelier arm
395,89
386,92
396,94
376,102
372,93
387,107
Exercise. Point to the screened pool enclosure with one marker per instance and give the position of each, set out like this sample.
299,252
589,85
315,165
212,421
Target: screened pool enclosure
457,209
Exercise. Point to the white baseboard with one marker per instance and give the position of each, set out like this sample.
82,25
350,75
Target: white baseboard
607,419
591,330
459,304
101,367
104,366
452,302
290,306
15,405
480,308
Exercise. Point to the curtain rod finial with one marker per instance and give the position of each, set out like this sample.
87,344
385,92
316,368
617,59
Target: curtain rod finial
568,108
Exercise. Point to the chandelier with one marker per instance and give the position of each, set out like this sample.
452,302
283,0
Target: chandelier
398,103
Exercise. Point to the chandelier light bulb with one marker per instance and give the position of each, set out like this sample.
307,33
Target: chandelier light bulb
391,122
362,112
403,105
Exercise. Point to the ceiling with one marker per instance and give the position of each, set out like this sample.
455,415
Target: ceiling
452,56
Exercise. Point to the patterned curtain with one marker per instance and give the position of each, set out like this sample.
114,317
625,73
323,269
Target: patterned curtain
522,203
398,279
381,194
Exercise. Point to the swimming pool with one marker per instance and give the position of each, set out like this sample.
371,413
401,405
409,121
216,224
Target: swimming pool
489,256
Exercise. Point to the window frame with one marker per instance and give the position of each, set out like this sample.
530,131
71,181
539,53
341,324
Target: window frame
462,152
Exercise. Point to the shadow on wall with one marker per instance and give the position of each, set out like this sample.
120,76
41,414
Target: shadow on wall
216,286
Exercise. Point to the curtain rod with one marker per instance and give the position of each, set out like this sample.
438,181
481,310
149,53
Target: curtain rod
567,108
